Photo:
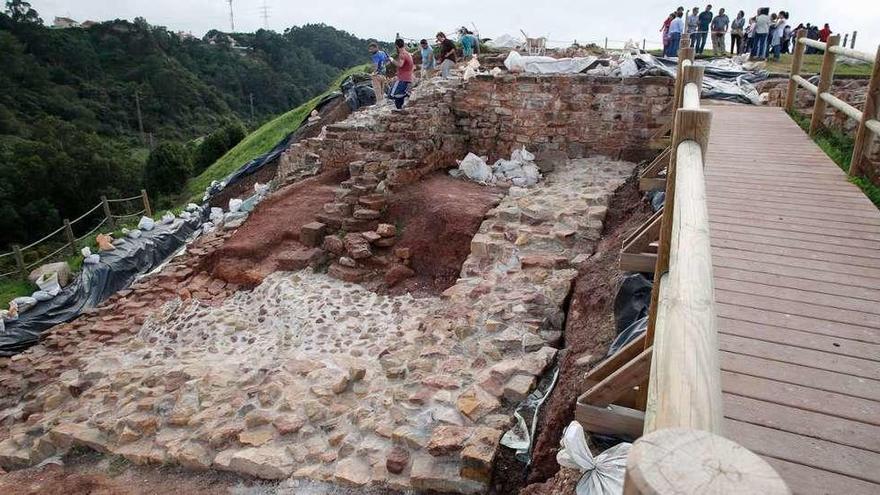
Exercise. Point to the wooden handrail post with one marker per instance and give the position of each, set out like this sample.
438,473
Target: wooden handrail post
826,76
107,214
19,261
68,233
872,101
682,460
147,211
796,62
686,53
690,74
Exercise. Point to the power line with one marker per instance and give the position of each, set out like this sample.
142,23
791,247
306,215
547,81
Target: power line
231,17
265,14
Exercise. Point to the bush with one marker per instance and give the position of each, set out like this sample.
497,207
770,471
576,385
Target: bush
167,169
217,144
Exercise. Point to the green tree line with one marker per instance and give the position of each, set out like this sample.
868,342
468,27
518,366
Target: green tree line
70,98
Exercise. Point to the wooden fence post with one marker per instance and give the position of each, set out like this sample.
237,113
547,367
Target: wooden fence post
606,42
109,216
19,261
825,79
796,62
872,101
147,211
71,240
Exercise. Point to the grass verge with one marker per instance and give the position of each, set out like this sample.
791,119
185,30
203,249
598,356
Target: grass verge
259,141
839,147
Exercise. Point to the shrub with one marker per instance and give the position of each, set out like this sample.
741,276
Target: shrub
167,169
217,144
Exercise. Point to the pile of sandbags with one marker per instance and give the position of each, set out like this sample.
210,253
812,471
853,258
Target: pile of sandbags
520,170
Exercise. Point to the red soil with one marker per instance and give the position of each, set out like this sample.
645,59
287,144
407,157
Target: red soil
437,217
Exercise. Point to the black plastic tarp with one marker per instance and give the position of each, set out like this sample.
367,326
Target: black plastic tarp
97,282
358,91
723,79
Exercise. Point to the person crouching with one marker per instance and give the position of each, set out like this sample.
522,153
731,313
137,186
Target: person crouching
400,88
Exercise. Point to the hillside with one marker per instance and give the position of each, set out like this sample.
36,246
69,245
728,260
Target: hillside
69,100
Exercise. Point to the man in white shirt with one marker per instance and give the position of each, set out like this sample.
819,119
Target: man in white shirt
762,28
676,27
778,32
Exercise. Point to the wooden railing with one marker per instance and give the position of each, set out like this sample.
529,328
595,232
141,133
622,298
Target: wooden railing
664,387
70,242
866,118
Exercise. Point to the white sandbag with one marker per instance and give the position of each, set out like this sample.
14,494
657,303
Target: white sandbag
42,295
191,207
86,252
23,303
261,189
505,41
216,215
495,72
522,155
234,205
146,223
602,475
134,234
207,227
167,218
92,259
475,168
48,282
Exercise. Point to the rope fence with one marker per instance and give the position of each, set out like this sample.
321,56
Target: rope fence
70,242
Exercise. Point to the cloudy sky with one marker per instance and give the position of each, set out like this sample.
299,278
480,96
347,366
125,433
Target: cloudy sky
559,20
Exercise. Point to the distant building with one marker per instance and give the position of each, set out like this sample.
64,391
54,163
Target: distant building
88,24
64,23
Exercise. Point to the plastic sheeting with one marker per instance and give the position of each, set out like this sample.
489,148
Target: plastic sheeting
604,474
547,65
632,300
522,435
116,270
357,89
723,79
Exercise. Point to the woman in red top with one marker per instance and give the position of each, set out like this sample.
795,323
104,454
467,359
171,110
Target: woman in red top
824,33
664,30
404,62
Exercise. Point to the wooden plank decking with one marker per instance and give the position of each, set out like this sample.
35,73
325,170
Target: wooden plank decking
796,254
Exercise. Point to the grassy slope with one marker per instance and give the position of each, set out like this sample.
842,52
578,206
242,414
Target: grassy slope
258,142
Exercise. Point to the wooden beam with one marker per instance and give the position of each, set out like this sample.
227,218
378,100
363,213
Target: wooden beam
796,62
680,460
641,263
826,76
622,380
870,111
610,420
644,235
612,363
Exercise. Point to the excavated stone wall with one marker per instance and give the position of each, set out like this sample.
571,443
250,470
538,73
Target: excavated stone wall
576,114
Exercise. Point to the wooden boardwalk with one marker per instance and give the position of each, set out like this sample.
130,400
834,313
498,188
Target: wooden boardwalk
796,255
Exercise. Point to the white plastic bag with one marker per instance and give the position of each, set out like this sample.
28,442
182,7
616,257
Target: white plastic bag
191,207
23,303
475,169
42,295
603,475
521,155
134,234
92,259
48,282
146,223
167,218
234,205
216,216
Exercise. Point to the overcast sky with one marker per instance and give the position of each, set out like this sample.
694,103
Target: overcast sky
558,20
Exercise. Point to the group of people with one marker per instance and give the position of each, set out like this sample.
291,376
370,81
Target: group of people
444,60
763,35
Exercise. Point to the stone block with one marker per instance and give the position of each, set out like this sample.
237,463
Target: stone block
478,454
448,439
366,214
271,463
431,473
386,230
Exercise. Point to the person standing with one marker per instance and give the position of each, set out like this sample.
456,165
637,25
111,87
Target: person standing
676,27
664,30
693,25
737,30
705,20
776,39
468,43
786,32
380,60
750,36
427,53
719,30
825,33
404,62
762,29
447,55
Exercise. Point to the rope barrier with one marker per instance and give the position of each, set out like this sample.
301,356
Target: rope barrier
4,275
44,258
43,239
10,253
92,231
130,214
86,214
122,200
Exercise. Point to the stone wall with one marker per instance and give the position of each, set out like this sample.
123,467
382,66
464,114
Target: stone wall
577,114
852,91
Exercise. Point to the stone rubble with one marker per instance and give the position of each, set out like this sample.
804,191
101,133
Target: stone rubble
307,376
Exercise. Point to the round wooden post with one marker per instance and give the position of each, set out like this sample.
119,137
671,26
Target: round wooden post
680,460
147,211
690,74
872,101
606,42
68,233
19,261
825,79
796,62
107,214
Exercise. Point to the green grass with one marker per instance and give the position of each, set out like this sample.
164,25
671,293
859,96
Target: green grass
839,147
258,142
810,64
10,289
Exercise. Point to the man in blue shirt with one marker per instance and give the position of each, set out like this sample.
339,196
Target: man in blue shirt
676,27
380,60
705,20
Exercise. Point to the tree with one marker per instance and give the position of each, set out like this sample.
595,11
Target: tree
21,12
167,169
